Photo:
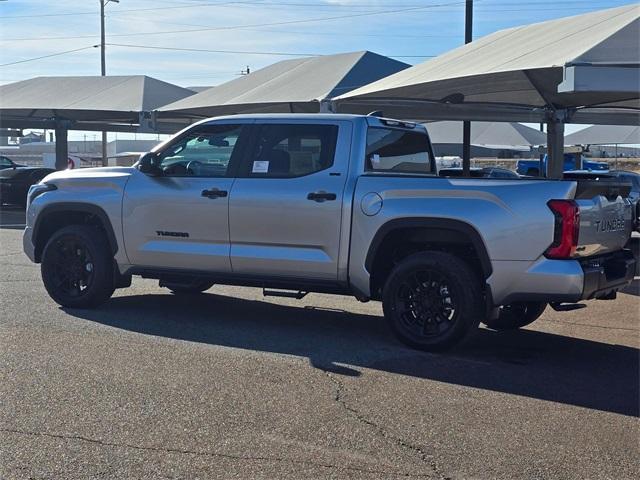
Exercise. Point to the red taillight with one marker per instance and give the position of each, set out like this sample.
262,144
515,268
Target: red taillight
565,236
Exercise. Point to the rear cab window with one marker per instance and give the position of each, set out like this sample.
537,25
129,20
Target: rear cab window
396,150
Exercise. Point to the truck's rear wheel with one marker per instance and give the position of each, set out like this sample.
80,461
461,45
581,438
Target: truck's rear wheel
192,287
516,315
432,300
77,267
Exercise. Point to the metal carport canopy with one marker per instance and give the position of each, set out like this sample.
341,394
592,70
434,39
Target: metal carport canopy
298,85
605,135
580,69
495,134
110,103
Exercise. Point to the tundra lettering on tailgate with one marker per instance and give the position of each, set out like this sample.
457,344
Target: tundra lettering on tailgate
610,225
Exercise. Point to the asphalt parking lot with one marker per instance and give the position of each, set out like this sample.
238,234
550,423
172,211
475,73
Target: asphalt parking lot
230,385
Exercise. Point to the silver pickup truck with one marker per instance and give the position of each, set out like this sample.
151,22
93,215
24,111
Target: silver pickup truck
340,204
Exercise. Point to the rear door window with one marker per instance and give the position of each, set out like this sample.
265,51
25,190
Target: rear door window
291,150
398,151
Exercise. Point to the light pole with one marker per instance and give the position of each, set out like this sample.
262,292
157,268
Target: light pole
103,69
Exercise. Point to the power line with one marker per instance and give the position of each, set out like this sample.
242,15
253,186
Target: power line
70,14
243,52
239,3
48,56
314,33
205,50
288,5
246,27
236,27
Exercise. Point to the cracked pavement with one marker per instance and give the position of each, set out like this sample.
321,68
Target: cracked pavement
230,385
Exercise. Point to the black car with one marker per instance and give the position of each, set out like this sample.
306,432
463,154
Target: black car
15,183
6,162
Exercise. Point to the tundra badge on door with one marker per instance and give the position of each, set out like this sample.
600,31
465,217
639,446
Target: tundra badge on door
162,233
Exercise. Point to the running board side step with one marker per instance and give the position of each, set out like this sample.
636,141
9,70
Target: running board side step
566,307
284,293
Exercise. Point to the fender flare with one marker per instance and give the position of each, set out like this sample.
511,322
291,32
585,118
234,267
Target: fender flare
80,207
441,224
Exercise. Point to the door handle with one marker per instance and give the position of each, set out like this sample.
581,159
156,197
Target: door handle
214,193
321,196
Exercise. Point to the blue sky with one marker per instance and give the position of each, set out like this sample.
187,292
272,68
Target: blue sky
409,30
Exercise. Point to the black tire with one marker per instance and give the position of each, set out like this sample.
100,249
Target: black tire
450,302
77,267
194,287
516,315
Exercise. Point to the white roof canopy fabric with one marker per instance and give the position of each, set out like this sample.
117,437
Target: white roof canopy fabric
297,85
493,134
85,99
590,60
605,135
82,96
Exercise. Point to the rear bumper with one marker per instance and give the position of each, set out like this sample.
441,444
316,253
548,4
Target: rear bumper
604,275
570,281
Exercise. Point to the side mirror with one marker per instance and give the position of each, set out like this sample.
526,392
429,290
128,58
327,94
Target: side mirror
148,164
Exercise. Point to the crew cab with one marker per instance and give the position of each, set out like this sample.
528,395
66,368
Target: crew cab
340,204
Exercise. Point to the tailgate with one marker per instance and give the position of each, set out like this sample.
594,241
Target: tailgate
605,225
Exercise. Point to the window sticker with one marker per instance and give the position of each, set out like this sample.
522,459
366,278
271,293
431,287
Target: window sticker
375,160
260,166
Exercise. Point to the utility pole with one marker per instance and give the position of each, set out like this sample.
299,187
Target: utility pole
466,125
103,69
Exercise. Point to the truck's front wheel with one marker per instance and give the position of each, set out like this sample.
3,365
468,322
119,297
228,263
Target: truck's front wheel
77,267
432,300
516,315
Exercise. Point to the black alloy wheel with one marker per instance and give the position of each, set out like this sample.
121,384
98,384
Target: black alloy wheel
432,300
77,267
426,304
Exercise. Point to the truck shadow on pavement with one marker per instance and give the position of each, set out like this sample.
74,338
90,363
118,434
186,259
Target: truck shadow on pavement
532,364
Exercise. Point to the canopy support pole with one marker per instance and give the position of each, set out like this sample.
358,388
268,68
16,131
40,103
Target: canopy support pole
62,146
466,148
555,146
466,125
326,106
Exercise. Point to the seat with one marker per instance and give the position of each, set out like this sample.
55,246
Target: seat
279,162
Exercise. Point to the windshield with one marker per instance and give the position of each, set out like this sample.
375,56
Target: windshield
5,162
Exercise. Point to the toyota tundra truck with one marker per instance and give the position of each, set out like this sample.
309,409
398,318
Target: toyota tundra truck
338,204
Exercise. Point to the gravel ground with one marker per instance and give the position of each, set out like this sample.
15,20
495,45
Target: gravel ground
230,385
